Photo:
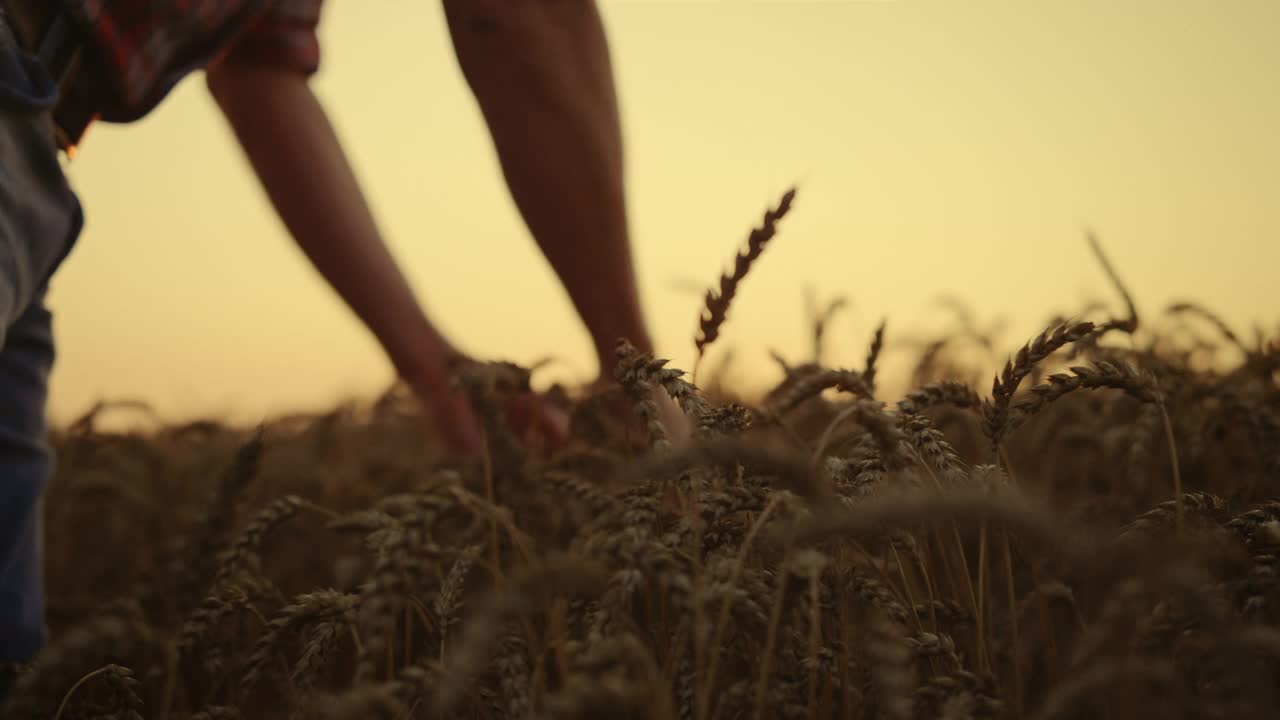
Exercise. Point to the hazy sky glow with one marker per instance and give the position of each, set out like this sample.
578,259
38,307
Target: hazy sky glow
944,146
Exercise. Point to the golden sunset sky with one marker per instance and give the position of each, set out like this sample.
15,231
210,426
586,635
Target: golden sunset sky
956,146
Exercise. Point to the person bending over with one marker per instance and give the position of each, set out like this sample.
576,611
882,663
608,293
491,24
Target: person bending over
539,69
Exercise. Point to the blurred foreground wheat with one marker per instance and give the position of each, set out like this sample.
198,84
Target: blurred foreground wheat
1095,537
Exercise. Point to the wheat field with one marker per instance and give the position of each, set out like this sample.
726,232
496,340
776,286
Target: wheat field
1089,529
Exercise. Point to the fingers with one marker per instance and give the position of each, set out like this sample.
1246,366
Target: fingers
459,427
679,429
530,416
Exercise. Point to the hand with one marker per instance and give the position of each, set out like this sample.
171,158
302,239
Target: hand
529,416
679,428
534,420
674,421
447,407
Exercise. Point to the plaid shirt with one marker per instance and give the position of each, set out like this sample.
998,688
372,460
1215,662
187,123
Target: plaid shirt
142,48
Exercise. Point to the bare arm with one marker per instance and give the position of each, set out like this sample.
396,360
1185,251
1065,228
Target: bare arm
297,156
542,76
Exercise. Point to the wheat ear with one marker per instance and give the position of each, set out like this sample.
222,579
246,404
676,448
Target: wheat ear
717,303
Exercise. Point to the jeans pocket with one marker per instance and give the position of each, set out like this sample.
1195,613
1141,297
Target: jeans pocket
25,85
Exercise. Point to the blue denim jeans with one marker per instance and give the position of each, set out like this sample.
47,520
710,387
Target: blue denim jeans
39,221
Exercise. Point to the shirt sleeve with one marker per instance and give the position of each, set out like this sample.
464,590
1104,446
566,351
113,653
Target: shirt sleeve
284,35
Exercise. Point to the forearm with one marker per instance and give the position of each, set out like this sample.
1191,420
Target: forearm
296,154
541,74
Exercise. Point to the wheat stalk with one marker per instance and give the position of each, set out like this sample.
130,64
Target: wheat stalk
1190,308
814,384
716,306
947,392
250,541
558,576
820,319
995,411
1117,376
193,567
1130,323
309,608
873,354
